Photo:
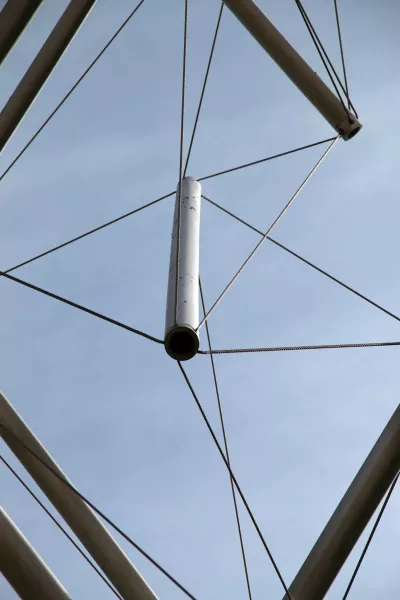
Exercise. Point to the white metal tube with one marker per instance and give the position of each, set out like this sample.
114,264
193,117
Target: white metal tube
295,67
42,66
182,314
23,568
351,516
81,519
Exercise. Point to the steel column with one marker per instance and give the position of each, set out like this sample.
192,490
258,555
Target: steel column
81,519
295,67
23,568
42,66
351,516
182,314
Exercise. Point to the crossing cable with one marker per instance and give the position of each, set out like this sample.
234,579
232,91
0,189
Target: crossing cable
319,46
218,300
304,260
341,51
238,488
136,210
68,94
262,160
65,532
159,341
204,87
322,53
371,535
292,348
221,418
212,202
97,511
81,307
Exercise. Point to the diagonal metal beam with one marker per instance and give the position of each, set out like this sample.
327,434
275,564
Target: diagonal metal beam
76,513
23,568
295,67
351,516
42,66
14,18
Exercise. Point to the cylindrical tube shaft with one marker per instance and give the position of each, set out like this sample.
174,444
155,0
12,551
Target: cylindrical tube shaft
351,516
23,568
295,67
182,314
42,66
14,17
82,520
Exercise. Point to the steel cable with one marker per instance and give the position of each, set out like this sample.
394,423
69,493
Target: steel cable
203,88
136,210
280,215
341,52
97,511
222,421
68,94
58,524
304,260
322,52
81,307
371,535
262,160
83,235
294,348
248,509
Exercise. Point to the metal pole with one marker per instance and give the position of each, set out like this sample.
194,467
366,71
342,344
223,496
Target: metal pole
23,568
351,516
81,519
182,314
42,66
295,67
14,17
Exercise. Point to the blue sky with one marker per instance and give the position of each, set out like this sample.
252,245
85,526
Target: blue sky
112,408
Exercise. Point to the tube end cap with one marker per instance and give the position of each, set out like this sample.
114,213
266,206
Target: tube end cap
349,128
181,342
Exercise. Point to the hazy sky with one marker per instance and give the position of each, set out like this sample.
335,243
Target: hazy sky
112,408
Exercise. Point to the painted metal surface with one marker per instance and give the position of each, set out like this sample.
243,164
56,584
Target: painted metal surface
295,67
182,314
76,513
23,568
351,516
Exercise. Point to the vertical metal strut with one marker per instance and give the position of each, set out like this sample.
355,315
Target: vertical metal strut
181,338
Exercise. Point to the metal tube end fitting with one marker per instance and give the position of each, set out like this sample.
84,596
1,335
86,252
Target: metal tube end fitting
349,127
181,342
